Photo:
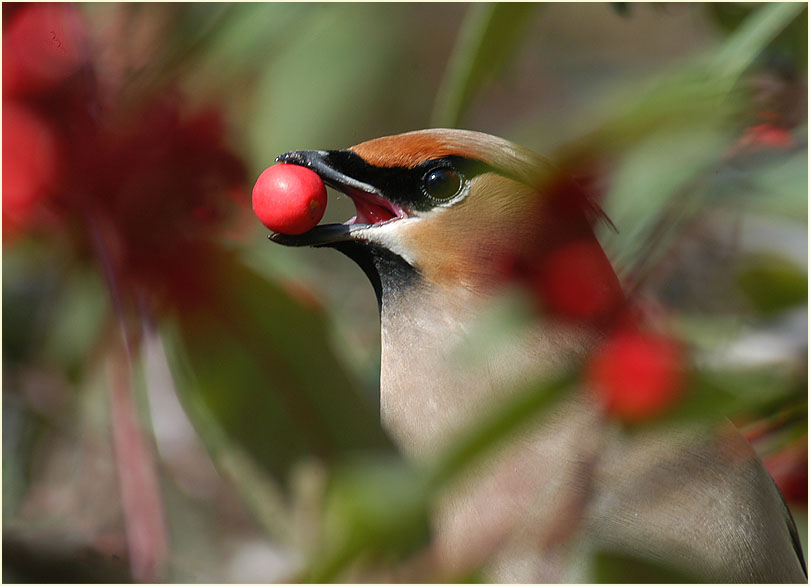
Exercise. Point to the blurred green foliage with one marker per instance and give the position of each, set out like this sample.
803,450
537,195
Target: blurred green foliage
773,283
610,568
261,363
489,35
790,45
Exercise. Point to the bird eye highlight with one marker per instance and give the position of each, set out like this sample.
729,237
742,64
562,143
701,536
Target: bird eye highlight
442,183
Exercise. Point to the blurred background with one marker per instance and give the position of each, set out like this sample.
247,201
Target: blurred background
177,389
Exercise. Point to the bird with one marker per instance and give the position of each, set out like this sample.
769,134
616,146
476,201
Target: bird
445,220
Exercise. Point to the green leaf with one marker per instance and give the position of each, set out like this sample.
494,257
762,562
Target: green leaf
33,276
262,495
652,192
380,507
489,35
713,394
377,508
260,364
671,134
773,283
776,186
615,568
80,311
701,93
753,37
484,435
791,40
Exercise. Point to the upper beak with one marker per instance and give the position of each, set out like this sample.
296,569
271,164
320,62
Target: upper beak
322,163
325,164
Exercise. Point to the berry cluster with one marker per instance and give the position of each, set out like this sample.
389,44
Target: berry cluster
142,187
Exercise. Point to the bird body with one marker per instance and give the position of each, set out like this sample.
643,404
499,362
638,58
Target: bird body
445,219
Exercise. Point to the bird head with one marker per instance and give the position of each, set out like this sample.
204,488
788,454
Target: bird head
466,211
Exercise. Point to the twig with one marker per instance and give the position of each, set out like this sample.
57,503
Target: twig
142,504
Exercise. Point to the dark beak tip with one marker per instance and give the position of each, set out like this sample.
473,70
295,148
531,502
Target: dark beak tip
293,157
284,239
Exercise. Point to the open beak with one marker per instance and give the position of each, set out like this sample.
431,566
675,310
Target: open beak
372,208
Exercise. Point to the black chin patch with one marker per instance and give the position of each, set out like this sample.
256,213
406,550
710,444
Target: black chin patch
389,273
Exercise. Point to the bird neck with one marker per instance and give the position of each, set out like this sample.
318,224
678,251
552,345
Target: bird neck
437,373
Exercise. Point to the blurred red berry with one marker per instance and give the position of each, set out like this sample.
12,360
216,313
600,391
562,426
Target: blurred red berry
788,468
30,160
767,136
161,179
637,375
576,281
762,137
43,43
565,269
144,188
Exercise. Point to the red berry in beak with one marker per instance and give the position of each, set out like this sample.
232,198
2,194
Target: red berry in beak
289,199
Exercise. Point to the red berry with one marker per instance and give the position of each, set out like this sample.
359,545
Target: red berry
788,468
43,44
768,135
289,199
30,161
577,281
637,375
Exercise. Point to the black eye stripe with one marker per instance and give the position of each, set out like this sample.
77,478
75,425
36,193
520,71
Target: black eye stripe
403,185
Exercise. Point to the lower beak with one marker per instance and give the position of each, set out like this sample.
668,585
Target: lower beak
323,235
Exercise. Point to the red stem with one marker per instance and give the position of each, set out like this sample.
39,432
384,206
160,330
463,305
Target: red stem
141,500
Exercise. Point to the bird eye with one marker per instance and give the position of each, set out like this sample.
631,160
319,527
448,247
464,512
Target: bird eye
442,183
